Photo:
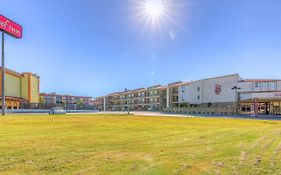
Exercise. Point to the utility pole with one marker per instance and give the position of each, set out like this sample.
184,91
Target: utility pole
236,88
126,99
3,76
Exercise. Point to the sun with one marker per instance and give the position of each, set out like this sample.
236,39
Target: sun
153,12
154,8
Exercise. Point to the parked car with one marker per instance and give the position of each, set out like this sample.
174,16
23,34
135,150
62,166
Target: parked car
57,110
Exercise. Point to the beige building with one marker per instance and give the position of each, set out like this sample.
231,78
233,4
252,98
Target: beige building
20,88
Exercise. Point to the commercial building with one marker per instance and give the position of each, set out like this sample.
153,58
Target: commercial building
260,96
20,88
101,103
53,99
142,99
228,94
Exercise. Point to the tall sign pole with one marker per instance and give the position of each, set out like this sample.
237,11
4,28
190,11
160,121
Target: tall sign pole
13,29
3,76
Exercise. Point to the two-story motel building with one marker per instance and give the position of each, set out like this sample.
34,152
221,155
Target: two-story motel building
218,95
20,88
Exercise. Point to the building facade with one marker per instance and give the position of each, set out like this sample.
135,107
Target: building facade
65,101
20,88
101,103
260,96
228,94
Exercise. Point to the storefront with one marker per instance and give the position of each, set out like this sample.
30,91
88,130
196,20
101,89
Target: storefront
263,103
13,102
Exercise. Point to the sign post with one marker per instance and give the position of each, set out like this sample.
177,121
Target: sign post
15,30
3,76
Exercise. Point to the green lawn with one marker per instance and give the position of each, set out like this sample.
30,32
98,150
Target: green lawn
120,144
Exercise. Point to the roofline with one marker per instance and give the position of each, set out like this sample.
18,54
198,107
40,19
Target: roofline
259,80
174,83
12,72
230,75
59,95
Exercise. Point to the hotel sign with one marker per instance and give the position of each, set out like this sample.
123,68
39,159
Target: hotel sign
10,27
277,94
218,89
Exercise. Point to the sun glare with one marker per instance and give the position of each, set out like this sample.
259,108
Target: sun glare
154,8
153,11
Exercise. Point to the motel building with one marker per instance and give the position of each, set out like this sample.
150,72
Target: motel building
20,88
260,97
229,94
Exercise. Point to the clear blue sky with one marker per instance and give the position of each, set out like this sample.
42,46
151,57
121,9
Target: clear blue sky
94,47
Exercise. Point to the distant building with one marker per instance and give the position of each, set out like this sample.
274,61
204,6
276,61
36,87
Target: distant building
69,101
20,88
101,103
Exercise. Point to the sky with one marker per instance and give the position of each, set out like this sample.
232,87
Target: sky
96,47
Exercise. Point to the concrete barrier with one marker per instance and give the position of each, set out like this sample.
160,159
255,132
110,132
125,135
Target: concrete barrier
201,110
46,111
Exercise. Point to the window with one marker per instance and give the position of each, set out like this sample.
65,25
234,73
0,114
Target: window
257,85
198,88
264,84
182,97
183,89
272,84
198,97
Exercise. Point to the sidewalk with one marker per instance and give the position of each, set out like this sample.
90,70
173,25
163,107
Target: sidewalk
149,113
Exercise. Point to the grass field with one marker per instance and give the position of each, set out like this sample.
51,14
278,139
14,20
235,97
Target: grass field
120,144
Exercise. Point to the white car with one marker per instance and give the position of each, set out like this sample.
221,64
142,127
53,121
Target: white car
57,111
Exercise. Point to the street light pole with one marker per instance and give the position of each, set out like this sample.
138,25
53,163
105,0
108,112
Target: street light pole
3,76
126,99
236,88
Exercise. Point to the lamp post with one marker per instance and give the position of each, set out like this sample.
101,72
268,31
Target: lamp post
236,88
126,99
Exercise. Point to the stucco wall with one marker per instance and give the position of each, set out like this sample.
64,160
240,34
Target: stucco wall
34,89
12,85
192,92
24,87
226,94
204,91
246,86
278,85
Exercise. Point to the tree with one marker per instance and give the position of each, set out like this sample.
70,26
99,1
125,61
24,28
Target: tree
80,104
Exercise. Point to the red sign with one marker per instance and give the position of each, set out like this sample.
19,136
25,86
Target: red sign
218,89
10,27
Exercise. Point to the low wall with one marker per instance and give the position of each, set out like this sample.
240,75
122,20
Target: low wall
46,111
202,110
